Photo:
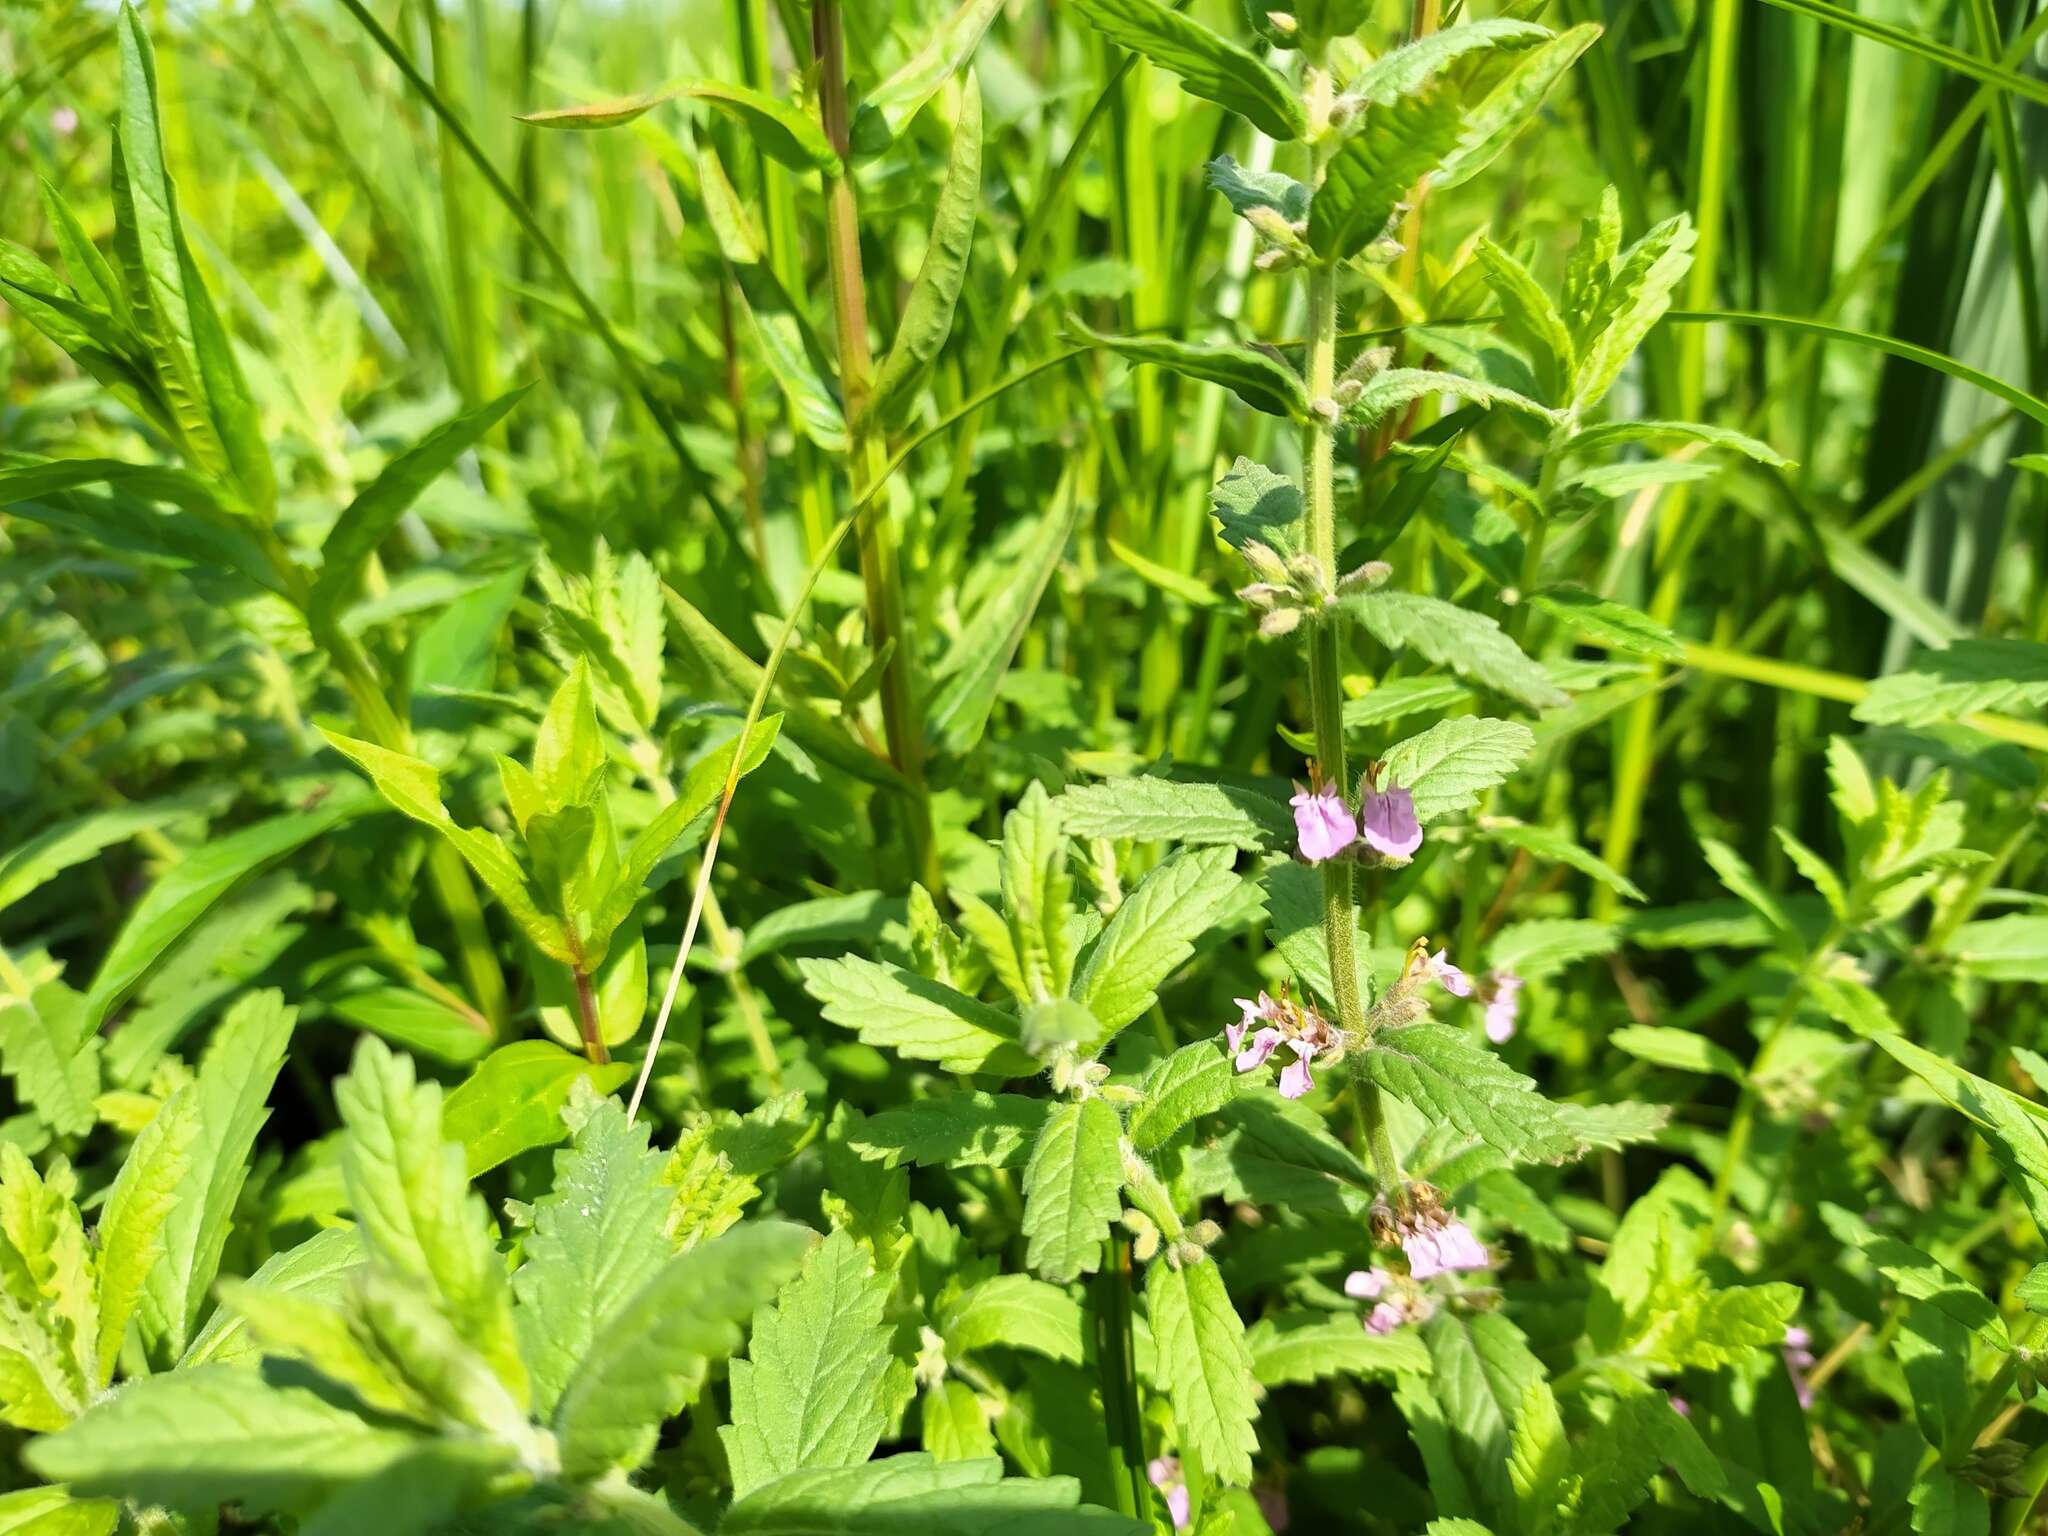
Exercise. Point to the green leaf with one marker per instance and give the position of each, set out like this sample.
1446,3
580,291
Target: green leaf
1246,189
1399,697
1252,502
412,1200
927,317
48,1047
947,48
1409,68
1528,316
31,864
188,890
233,1089
961,1130
649,1358
1920,1276
1974,676
195,362
914,1016
1148,809
1606,622
1705,1329
1679,1049
1395,389
366,521
132,1226
1540,1458
916,1494
1635,298
1376,168
513,1102
1444,1074
1452,764
814,1389
1469,643
1555,846
779,130
54,1512
48,1316
1482,1370
1735,873
1152,935
1200,1350
1491,124
1072,1189
1195,1080
1261,380
1015,1312
1294,905
1614,434
1291,1348
1209,65
317,1270
2010,948
215,1434
597,1237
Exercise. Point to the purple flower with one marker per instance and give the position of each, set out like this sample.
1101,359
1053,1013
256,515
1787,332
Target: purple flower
1454,981
1798,1352
1502,992
1262,1046
1385,1317
1323,822
1295,1077
1366,1284
1263,1008
64,122
1438,1248
1386,818
1680,1406
1164,1474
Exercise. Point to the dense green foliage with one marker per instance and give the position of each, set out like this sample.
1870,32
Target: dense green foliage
650,665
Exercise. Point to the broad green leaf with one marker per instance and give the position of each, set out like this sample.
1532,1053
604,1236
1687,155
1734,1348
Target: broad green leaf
453,1386
1152,935
916,1494
54,1512
1289,1348
2010,948
1702,1328
1395,389
1252,502
1469,643
1015,1312
1444,1074
1946,1504
887,1005
1544,946
1679,1049
1452,764
650,1357
1245,189
513,1102
424,1025
132,1225
1482,1368
1200,1351
34,863
1260,379
1195,1080
814,1388
47,1046
411,1195
1209,65
1399,697
1376,168
618,987
233,1090
1540,1463
317,1270
1818,872
597,1237
927,317
188,890
1606,622
1491,123
1973,676
457,650
216,1434
961,1130
952,1423
366,521
1148,809
1073,1189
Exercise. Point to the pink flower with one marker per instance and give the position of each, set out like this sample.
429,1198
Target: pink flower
64,122
1262,1046
1295,1077
1323,822
1680,1406
1502,993
1453,980
1385,1317
1440,1247
1263,1008
1164,1474
1366,1284
1386,818
1798,1352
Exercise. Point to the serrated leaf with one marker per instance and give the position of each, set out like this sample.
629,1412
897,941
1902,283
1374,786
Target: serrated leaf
1209,65
1972,676
1408,68
1737,875
887,1005
233,1088
48,1047
1290,1348
812,1391
54,1512
649,1358
1195,1080
1149,809
1016,1312
1615,434
1606,622
963,1130
1152,935
1544,946
1922,1277
1261,380
1635,299
1706,1329
1395,389
1491,123
1469,643
419,1218
1376,167
1251,502
1246,188
513,1101
1441,1072
1072,1188
1679,1049
917,1494
316,1270
1201,1352
1528,316
1449,766
132,1228
48,1314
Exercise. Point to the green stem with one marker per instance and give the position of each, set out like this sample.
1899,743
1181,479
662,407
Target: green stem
586,1018
1116,1360
880,564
